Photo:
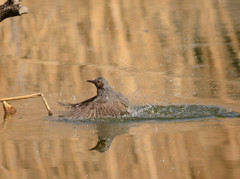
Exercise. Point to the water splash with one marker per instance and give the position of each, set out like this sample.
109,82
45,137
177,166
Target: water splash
181,112
170,112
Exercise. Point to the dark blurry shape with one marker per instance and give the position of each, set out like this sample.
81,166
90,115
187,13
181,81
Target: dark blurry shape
12,8
9,108
106,134
107,103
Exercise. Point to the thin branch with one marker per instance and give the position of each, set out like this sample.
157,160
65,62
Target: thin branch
21,97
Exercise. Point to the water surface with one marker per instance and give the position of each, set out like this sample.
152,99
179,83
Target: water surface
178,62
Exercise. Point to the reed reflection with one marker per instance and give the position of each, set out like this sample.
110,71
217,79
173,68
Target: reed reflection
7,119
186,46
164,150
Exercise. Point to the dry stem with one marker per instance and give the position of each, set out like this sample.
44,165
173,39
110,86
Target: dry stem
8,107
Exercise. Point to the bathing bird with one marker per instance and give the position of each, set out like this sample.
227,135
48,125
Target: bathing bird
107,103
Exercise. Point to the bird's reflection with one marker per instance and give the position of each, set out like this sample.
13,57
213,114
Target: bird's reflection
106,134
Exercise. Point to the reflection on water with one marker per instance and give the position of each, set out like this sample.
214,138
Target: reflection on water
182,51
161,52
106,134
140,150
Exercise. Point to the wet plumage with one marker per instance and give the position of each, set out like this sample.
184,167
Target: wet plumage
107,103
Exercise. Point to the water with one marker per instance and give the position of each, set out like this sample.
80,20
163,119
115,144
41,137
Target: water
161,113
176,61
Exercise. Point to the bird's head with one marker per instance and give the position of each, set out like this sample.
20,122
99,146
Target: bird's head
100,83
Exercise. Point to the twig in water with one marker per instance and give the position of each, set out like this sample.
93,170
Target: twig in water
9,108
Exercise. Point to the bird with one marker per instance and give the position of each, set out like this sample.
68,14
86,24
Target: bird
107,103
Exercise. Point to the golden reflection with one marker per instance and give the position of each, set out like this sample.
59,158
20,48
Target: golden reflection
173,49
166,150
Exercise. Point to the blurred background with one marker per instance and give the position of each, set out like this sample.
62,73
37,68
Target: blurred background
151,51
154,52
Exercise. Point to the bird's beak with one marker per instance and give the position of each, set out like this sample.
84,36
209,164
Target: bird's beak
91,81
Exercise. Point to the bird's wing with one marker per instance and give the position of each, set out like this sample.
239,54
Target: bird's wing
70,105
123,100
97,108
